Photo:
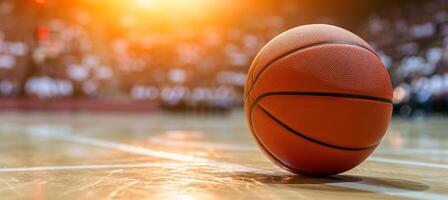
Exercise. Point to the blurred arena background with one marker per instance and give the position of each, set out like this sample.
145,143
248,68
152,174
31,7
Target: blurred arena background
193,55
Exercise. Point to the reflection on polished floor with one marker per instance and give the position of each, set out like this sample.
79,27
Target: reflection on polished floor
180,156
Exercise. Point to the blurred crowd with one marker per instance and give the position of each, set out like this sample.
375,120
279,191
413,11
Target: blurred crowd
203,68
412,41
57,56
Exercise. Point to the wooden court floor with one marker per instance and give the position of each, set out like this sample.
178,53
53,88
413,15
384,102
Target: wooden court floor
188,157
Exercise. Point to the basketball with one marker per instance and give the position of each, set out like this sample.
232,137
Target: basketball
318,100
152,99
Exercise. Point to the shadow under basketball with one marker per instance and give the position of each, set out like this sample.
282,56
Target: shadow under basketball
337,183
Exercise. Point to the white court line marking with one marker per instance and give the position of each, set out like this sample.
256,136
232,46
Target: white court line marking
201,145
92,167
390,191
238,148
66,135
407,162
413,151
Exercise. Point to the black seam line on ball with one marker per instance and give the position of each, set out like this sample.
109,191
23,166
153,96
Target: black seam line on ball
276,160
311,139
323,94
302,48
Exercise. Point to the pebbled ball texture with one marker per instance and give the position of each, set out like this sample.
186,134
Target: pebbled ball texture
317,100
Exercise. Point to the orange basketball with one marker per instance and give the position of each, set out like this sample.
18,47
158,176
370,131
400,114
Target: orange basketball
318,100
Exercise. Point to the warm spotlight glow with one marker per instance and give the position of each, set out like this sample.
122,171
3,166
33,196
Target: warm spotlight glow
40,2
144,12
170,3
182,3
144,3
